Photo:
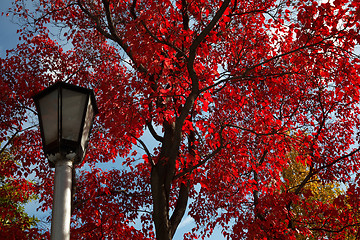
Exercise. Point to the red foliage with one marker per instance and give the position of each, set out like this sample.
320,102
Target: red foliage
226,89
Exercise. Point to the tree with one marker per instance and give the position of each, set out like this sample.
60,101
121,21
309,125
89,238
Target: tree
14,193
315,191
218,86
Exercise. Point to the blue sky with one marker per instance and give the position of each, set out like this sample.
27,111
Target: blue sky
8,36
8,40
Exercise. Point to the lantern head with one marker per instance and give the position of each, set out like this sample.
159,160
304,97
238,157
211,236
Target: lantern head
66,113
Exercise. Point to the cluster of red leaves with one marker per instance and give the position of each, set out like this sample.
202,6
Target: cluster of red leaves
109,208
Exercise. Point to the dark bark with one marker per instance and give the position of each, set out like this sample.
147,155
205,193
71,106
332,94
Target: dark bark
161,179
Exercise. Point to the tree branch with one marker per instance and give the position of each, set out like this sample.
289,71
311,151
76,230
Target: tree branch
196,43
13,136
8,142
153,132
180,207
145,149
206,158
313,172
335,230
113,34
133,13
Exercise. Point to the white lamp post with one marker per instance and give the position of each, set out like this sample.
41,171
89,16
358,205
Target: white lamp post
66,113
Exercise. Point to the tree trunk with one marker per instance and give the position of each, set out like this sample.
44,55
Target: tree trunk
162,175
160,204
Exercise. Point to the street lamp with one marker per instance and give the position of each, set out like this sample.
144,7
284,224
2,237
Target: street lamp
66,113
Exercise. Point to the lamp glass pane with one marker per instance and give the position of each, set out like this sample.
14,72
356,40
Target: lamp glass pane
73,106
87,125
49,116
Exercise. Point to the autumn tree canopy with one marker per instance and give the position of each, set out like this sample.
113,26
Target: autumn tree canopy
217,94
